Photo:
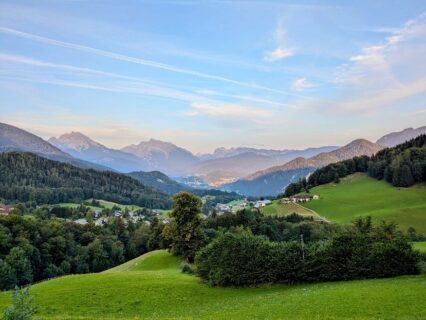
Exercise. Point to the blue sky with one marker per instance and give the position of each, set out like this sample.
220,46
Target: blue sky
204,74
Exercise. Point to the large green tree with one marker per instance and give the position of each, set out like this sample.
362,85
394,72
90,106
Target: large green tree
185,231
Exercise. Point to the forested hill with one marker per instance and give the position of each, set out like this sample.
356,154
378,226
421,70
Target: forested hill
402,166
26,177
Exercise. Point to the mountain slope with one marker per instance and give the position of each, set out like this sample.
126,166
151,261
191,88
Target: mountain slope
395,138
28,177
274,180
163,156
269,184
230,164
158,180
82,147
360,195
16,139
356,148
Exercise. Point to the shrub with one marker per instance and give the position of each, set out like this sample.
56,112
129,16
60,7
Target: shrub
22,307
242,259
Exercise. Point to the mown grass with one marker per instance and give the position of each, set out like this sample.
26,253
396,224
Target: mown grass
104,203
421,246
277,208
360,195
144,289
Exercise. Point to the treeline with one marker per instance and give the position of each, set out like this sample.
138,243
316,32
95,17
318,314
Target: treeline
402,166
240,258
28,178
33,249
273,228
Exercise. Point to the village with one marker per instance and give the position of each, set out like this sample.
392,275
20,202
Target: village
101,217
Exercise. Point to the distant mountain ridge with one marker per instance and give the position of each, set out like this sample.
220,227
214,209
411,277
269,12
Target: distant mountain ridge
355,148
16,139
241,162
163,156
83,147
394,138
274,180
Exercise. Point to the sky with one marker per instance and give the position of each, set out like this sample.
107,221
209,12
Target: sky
208,74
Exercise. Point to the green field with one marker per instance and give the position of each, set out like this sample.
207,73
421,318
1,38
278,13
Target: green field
277,208
360,195
152,287
421,246
105,204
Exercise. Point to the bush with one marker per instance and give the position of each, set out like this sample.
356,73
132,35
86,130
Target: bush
236,259
242,259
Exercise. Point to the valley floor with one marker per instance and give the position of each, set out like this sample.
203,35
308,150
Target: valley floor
152,287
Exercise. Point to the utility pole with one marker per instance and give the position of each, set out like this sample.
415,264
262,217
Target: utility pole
302,243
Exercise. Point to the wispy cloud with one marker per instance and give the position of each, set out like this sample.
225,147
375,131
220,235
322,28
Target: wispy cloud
135,60
302,84
131,84
383,74
282,50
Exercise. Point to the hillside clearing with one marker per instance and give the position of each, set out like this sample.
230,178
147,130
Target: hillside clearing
277,208
360,195
151,287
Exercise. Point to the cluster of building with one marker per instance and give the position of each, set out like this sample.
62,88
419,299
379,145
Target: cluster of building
300,198
221,208
131,216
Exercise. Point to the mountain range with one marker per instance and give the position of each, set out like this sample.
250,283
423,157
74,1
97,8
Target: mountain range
394,138
82,147
163,156
15,139
229,165
245,170
273,180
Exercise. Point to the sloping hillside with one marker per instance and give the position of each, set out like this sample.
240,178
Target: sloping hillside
158,180
27,177
152,287
269,184
360,195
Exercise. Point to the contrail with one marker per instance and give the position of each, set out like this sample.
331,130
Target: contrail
145,62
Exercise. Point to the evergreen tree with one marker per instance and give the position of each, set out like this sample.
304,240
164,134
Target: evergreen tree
22,307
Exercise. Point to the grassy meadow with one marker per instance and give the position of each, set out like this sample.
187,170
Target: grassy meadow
421,246
152,287
104,203
360,195
277,208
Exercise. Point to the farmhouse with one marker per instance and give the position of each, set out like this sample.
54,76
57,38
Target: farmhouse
301,198
262,203
5,209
